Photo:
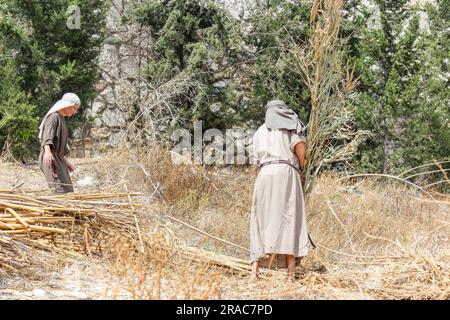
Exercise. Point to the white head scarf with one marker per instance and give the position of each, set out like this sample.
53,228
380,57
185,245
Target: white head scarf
68,99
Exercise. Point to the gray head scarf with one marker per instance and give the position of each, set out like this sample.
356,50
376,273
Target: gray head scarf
280,116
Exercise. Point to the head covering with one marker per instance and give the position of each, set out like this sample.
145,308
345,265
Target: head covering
71,97
68,99
280,116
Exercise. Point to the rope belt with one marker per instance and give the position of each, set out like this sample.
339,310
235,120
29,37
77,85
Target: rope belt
296,169
278,162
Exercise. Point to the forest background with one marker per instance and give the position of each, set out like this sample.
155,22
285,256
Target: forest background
223,69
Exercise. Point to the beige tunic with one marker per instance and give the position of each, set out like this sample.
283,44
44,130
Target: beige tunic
55,134
278,216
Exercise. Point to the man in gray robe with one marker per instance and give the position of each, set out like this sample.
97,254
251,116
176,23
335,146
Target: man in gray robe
53,134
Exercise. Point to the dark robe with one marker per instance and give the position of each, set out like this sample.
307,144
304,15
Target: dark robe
55,134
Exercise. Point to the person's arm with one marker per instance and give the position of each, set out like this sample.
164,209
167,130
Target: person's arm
297,145
255,148
48,136
300,153
300,150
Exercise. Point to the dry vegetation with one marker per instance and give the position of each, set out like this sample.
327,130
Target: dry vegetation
375,238
140,227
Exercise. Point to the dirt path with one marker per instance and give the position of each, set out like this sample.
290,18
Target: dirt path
31,178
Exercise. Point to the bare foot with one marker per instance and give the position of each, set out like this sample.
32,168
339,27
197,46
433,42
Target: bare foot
291,278
254,277
255,271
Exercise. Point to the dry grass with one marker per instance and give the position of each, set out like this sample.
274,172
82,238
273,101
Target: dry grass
376,212
157,274
376,239
201,196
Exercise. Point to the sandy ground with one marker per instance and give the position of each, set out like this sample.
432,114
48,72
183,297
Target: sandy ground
30,177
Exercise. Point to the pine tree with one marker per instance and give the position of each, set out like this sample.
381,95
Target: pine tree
200,39
403,93
18,122
272,26
58,58
41,58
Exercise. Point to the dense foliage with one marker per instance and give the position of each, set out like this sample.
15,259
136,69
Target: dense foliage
398,49
199,38
401,55
50,58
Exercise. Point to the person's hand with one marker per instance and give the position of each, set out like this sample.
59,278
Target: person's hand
48,160
70,166
302,174
302,178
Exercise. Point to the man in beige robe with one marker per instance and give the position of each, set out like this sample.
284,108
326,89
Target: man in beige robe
53,135
278,216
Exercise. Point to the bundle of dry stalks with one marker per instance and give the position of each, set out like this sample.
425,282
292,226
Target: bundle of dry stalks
34,227
72,224
321,63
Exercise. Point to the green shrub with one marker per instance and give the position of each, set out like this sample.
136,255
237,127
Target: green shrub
18,121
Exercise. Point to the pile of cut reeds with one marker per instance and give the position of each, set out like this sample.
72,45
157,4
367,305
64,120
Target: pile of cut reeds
32,228
73,224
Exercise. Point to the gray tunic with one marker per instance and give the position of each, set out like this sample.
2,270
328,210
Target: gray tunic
278,216
55,134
